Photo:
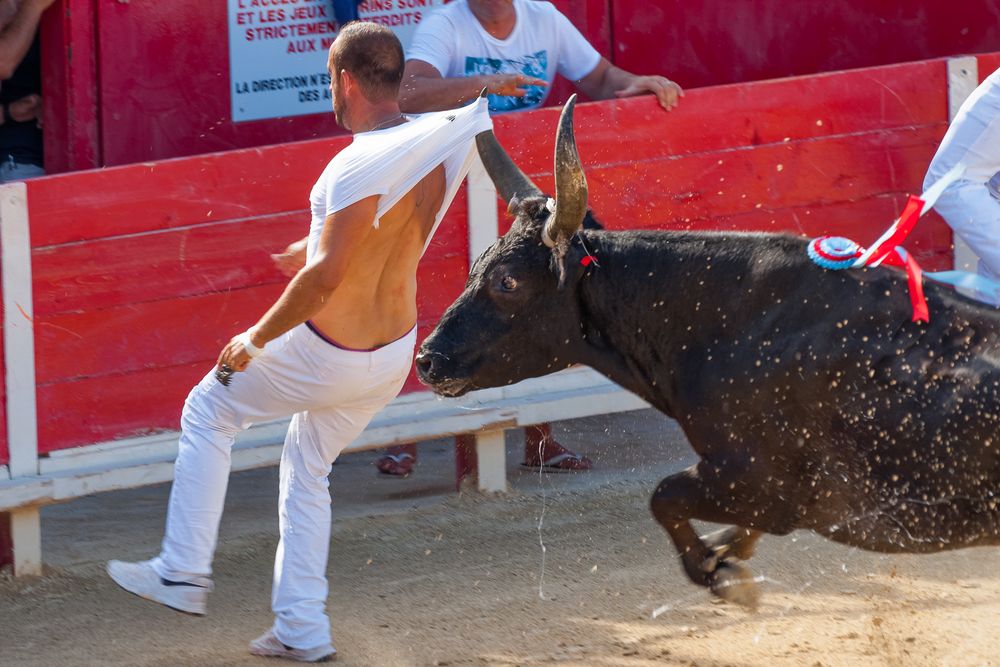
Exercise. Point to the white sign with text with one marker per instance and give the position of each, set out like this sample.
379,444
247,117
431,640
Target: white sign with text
278,50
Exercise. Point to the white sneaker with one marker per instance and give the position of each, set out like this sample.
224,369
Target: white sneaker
270,646
142,580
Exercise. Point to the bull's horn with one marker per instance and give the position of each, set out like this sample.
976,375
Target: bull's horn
508,179
571,183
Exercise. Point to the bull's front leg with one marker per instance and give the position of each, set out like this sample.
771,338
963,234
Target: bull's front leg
685,496
733,542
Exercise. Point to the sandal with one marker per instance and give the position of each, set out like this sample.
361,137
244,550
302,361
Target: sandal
567,461
396,465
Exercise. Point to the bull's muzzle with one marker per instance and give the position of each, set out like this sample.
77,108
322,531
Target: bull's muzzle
431,369
428,366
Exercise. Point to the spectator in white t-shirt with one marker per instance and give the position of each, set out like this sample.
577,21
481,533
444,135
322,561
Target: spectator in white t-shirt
514,48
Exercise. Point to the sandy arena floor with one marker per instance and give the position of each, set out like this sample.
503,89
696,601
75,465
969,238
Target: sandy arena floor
422,576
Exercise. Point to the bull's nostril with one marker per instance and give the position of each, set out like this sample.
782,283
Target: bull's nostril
424,363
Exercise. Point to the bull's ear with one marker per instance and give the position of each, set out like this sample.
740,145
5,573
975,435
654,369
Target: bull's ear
590,221
512,205
570,261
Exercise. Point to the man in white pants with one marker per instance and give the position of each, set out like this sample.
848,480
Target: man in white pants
332,351
971,205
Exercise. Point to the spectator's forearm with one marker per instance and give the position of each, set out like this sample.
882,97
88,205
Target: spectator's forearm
615,79
420,94
16,37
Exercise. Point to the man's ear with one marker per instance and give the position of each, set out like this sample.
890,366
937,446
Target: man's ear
347,82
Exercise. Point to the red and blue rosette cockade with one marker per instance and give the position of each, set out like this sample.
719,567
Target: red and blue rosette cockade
834,252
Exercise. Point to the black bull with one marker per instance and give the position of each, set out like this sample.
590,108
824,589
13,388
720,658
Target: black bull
811,398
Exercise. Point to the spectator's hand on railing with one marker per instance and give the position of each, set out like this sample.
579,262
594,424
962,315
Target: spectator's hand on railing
293,259
667,92
510,85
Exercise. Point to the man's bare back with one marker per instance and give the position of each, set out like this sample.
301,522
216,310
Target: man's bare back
376,302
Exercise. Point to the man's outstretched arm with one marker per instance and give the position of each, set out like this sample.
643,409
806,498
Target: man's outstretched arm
424,89
343,234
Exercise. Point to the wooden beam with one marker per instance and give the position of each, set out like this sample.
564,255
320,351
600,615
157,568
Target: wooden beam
69,70
26,535
963,78
491,455
18,330
482,201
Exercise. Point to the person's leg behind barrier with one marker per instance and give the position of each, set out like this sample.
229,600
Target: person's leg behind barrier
543,452
991,298
974,215
398,460
11,171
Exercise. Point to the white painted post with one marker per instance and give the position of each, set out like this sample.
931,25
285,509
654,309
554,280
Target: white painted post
484,225
963,78
484,228
19,366
492,461
26,536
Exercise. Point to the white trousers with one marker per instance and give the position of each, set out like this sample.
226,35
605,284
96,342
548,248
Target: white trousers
332,394
967,205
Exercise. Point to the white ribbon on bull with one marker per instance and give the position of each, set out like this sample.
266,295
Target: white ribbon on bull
837,253
567,210
550,206
929,197
985,287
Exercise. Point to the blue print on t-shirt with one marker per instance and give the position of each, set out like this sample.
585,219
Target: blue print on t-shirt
533,65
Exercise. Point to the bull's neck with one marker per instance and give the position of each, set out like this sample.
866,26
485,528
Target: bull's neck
647,306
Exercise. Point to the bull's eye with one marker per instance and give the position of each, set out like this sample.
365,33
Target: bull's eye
508,283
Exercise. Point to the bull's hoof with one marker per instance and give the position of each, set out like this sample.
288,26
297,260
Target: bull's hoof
734,583
734,542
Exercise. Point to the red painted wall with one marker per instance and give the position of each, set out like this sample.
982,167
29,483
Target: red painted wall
6,547
135,81
988,64
834,153
142,272
711,42
4,449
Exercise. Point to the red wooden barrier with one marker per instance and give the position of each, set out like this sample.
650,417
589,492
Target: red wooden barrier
6,547
130,81
4,449
142,272
829,153
707,43
988,64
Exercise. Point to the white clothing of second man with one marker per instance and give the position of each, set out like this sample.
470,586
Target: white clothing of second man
969,206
